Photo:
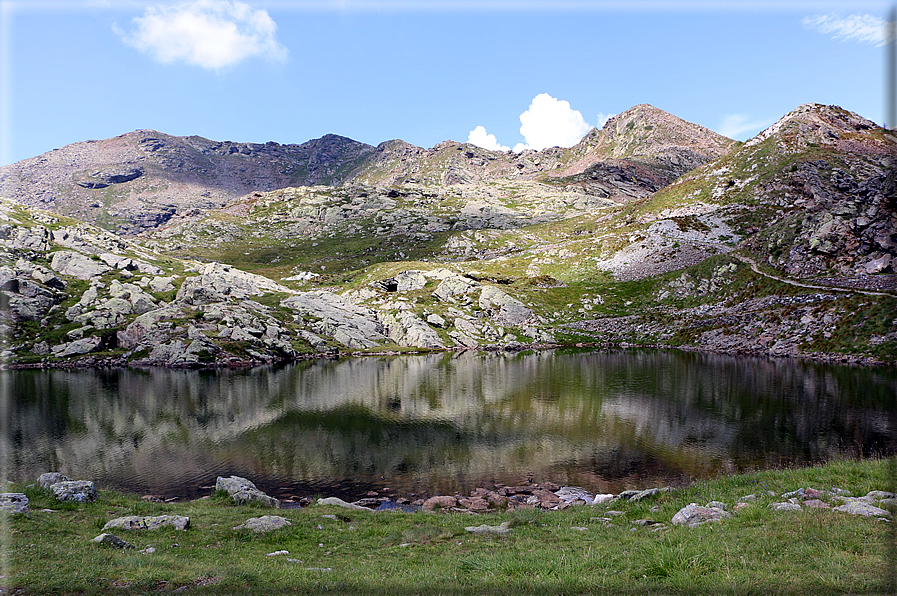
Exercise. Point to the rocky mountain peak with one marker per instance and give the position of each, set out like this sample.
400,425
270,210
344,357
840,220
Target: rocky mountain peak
813,123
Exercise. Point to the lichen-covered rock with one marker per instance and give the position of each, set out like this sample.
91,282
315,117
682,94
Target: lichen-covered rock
153,522
79,491
693,515
13,503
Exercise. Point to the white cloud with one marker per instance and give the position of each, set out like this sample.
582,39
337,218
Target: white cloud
864,28
479,138
735,125
550,122
212,34
602,119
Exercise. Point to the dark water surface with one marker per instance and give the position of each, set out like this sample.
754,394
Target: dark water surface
450,422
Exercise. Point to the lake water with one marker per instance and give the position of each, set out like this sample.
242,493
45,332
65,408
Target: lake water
440,423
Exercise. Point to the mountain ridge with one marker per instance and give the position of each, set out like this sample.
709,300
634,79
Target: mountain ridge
782,246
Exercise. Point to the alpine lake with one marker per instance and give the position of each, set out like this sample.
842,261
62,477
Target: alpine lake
442,423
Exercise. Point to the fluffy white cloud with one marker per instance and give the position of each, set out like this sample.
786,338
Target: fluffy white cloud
735,125
212,34
550,122
479,138
864,28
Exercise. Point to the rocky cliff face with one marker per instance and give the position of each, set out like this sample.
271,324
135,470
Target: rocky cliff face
786,245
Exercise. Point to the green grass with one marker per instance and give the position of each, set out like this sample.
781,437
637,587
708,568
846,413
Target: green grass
757,551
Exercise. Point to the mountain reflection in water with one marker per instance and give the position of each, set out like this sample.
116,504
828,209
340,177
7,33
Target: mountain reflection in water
446,422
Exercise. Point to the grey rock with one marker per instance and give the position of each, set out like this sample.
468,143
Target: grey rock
13,503
785,506
153,522
266,523
113,541
349,324
244,492
162,284
693,515
717,505
864,509
234,484
407,329
337,502
504,309
453,286
77,265
218,283
503,529
80,346
257,497
79,491
48,479
408,281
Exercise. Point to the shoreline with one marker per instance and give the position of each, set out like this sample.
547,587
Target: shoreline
94,362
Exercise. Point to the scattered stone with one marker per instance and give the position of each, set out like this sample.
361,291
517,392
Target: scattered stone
785,506
816,504
277,553
580,528
266,523
880,494
13,503
113,541
864,509
79,491
693,515
154,522
149,550
606,498
613,513
504,528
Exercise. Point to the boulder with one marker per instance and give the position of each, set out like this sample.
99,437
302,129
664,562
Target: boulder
503,309
46,480
218,283
785,506
13,503
408,281
407,329
244,492
454,285
136,522
693,515
77,265
266,523
79,491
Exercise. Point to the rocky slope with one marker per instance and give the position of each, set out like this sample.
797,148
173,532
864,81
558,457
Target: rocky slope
786,245
141,179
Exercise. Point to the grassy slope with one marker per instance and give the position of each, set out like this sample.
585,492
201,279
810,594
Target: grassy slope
758,551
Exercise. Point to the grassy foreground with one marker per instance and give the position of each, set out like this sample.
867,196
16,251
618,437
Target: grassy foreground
757,551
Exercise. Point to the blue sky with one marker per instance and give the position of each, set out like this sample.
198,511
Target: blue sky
423,71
